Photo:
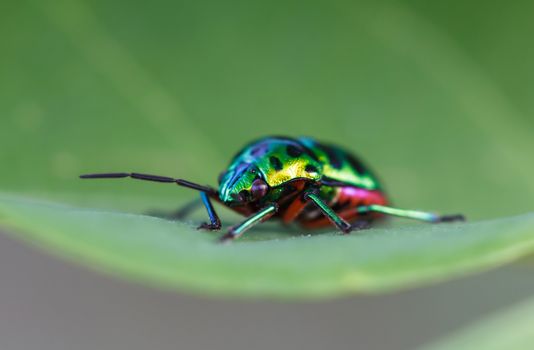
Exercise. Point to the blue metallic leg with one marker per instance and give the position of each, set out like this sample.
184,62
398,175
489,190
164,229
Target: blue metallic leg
215,222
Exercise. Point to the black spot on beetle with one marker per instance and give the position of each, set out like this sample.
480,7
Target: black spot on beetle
276,163
294,151
356,164
333,157
311,168
307,151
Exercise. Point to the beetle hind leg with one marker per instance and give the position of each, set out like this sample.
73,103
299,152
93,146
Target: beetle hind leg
361,224
410,214
450,218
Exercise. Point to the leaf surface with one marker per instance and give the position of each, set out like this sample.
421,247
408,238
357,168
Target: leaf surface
268,262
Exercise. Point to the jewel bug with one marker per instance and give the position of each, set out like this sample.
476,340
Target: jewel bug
294,180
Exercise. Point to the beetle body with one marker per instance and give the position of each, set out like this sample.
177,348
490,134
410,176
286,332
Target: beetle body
286,167
294,180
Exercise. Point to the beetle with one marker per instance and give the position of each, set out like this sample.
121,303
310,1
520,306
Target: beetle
295,180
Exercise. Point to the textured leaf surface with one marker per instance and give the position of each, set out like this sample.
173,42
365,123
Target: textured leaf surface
268,263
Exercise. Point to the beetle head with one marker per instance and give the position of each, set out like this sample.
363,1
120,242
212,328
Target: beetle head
242,185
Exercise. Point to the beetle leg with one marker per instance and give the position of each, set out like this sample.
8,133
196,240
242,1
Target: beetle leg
329,212
262,215
410,214
180,213
215,222
361,224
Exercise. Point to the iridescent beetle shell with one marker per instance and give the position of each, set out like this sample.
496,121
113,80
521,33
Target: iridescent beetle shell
279,168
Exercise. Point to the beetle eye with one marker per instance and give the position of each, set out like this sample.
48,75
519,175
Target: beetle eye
259,189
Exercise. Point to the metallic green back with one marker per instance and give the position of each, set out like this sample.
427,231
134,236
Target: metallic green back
279,159
341,165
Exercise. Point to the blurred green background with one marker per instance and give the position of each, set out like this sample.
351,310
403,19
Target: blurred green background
436,96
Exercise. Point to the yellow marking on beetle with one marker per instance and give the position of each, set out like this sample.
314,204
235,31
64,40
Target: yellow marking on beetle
293,169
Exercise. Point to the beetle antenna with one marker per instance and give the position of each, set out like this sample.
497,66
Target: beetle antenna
154,178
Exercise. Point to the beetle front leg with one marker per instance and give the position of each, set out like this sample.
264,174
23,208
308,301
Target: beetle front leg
340,223
215,222
262,215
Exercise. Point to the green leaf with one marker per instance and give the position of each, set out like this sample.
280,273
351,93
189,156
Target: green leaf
269,263
510,329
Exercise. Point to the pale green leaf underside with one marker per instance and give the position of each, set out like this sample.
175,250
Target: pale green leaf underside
510,329
175,255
